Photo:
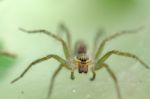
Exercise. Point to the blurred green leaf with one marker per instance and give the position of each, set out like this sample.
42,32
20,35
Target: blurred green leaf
6,63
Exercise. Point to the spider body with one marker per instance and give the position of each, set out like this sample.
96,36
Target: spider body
82,61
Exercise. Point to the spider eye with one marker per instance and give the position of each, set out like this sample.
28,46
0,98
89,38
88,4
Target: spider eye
82,57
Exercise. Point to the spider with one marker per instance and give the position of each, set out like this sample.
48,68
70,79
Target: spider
79,58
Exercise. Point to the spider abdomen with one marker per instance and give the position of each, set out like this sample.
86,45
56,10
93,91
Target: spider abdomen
80,47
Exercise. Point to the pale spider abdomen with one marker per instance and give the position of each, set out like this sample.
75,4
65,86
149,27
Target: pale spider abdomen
80,47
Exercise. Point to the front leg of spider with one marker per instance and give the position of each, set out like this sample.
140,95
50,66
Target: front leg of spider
43,31
125,54
59,59
100,63
114,36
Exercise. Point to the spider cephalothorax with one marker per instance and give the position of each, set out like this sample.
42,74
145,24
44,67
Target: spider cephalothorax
82,60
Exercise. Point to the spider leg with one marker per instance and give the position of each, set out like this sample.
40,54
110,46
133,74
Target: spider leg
65,47
101,46
96,39
111,73
63,27
72,75
8,54
94,74
53,80
125,54
59,59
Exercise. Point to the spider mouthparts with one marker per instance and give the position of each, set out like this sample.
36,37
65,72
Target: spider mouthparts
83,70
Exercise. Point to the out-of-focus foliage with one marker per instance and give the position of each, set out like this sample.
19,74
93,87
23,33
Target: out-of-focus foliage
5,63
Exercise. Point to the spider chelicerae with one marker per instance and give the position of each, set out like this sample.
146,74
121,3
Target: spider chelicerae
79,59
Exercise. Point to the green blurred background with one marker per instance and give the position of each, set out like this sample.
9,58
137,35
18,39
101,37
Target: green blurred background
84,18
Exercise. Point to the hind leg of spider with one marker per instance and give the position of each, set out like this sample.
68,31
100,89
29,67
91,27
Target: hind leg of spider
63,28
125,54
65,47
51,86
96,40
59,59
101,46
111,73
100,66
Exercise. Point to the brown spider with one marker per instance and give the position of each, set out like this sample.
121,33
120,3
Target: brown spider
80,59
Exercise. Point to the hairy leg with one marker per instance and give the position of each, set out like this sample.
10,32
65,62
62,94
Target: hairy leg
59,59
96,40
101,46
53,80
111,73
63,28
125,54
65,47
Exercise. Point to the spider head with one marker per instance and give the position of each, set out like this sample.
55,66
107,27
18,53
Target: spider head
82,63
